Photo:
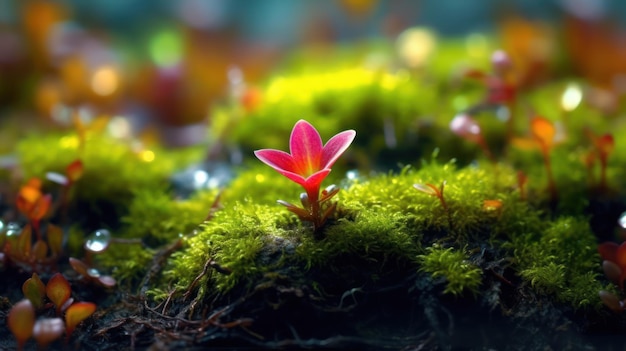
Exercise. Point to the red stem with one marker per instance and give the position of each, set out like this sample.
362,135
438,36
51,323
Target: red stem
551,184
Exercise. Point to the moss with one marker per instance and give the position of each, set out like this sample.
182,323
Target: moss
561,258
233,238
112,170
452,265
381,220
157,217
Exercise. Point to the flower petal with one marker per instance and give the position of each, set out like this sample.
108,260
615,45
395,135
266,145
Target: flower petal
305,145
279,160
335,147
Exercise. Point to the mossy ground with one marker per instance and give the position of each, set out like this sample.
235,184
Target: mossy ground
497,267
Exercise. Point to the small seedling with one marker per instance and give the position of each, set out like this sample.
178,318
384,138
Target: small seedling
437,192
603,146
91,275
33,204
467,128
544,132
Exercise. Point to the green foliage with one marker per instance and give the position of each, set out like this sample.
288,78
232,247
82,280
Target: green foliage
453,265
561,258
233,239
158,218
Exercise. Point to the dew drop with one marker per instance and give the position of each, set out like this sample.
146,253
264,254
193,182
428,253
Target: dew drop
622,220
12,229
92,272
98,241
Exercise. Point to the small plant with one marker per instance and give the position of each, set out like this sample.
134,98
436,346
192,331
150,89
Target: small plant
437,192
33,203
500,84
73,172
603,146
543,135
308,164
467,128
22,320
544,132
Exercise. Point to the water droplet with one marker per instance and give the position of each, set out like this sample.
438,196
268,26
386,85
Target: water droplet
94,273
622,220
12,229
98,241
352,177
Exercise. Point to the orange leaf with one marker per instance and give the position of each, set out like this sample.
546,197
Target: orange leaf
79,266
620,256
543,131
492,205
34,290
74,170
58,291
40,250
34,183
77,313
524,143
21,321
54,235
41,207
24,242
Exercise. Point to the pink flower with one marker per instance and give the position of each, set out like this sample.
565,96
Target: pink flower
309,162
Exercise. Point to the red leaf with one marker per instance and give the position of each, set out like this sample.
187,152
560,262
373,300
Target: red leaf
608,251
74,170
620,256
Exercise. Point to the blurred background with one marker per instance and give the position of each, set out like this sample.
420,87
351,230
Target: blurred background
164,64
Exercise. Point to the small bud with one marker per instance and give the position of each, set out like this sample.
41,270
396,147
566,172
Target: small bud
501,62
304,199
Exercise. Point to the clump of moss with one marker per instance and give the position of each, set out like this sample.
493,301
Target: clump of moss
157,217
452,265
561,258
381,221
112,169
